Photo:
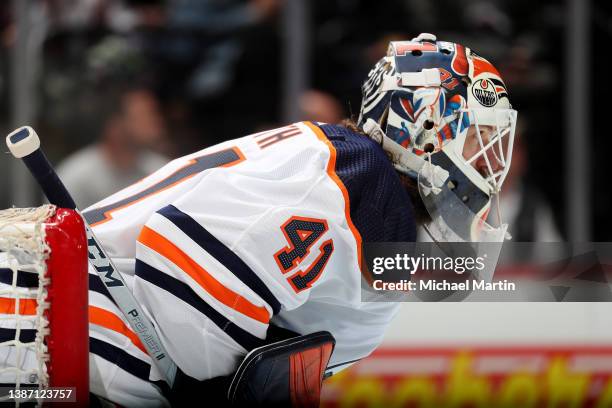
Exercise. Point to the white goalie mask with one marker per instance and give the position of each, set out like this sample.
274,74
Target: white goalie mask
449,125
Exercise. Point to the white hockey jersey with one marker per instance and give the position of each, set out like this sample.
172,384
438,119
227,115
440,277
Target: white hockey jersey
219,244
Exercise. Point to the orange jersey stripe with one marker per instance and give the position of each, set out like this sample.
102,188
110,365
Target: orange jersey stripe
27,307
331,171
112,322
212,286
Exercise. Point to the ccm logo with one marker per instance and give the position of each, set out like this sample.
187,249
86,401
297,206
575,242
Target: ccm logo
101,263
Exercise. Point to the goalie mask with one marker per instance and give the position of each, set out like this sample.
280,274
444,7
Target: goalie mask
449,125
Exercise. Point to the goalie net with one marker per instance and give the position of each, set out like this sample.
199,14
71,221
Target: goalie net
43,300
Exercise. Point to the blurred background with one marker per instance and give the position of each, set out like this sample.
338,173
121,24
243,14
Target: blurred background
116,88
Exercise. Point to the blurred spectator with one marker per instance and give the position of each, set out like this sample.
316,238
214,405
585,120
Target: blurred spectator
319,106
218,56
204,34
143,122
216,64
220,15
123,153
86,14
225,18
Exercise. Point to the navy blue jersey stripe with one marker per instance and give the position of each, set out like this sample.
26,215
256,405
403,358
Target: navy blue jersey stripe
24,279
120,358
96,285
221,253
183,292
25,335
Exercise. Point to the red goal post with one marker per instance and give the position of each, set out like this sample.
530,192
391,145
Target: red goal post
44,338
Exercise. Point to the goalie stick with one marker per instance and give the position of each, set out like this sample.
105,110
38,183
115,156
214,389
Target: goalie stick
24,144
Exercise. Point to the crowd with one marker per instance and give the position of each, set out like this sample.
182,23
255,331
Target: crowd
126,85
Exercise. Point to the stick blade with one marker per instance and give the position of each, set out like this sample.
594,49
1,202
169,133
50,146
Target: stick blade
23,141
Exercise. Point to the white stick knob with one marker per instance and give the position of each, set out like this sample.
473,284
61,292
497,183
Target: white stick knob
23,141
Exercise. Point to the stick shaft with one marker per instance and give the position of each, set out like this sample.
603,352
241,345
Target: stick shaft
49,182
40,167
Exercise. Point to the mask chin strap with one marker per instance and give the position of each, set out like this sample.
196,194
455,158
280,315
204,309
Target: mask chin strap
407,162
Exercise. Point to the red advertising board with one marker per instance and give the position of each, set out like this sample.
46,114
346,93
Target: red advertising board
513,376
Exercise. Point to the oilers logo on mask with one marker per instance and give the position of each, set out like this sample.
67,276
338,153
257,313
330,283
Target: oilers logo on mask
485,93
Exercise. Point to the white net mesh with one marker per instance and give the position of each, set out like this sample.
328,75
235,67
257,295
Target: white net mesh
23,326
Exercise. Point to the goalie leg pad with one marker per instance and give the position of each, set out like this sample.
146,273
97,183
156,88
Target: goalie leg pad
285,373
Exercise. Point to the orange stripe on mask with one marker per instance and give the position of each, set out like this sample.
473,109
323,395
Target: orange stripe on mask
112,322
27,307
482,65
212,286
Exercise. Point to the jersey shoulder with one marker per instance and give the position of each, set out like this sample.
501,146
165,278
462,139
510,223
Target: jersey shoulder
380,206
358,157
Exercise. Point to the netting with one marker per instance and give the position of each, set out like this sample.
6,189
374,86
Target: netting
23,297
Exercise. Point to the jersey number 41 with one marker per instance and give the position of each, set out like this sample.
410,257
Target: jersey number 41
302,233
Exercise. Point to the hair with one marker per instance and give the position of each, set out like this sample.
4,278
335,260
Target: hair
420,212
